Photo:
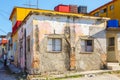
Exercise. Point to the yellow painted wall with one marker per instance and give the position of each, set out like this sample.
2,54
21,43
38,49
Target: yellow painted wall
22,13
113,14
112,55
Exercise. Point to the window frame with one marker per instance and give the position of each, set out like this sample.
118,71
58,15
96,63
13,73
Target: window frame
111,7
54,44
110,43
96,14
111,47
104,10
84,51
15,45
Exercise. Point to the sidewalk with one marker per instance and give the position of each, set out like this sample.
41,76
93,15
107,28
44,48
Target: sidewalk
4,73
71,74
14,69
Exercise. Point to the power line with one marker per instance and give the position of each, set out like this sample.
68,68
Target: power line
3,31
3,16
4,12
30,5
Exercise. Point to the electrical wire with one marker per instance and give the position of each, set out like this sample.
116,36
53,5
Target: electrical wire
3,31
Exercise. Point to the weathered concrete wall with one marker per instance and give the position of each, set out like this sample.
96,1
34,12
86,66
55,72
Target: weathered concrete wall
46,26
92,60
24,54
15,48
43,60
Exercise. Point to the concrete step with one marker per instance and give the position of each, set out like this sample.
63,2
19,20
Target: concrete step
113,66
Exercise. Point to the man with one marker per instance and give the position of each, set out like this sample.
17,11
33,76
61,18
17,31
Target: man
5,59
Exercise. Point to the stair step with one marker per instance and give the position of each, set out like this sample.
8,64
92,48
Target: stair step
113,66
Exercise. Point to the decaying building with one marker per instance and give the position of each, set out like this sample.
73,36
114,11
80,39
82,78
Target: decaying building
3,43
9,45
17,16
54,41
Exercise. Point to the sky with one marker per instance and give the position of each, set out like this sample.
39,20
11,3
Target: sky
6,7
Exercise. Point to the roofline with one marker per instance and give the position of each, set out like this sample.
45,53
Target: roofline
22,8
48,12
75,15
102,6
12,13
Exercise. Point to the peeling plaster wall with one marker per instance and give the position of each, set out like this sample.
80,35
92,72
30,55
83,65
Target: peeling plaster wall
45,61
15,48
53,27
92,61
28,26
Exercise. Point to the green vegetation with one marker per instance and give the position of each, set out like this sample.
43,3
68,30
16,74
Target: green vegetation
70,76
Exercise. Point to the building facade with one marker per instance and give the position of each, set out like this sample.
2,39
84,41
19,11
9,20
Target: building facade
3,47
18,14
113,42
50,41
110,9
9,45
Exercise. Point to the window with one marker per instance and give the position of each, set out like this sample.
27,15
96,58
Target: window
15,45
28,44
103,10
8,45
111,41
54,44
111,7
87,45
96,14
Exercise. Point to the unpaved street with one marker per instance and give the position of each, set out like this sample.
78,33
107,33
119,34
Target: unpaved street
4,74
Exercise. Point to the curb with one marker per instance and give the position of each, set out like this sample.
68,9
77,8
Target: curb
71,75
